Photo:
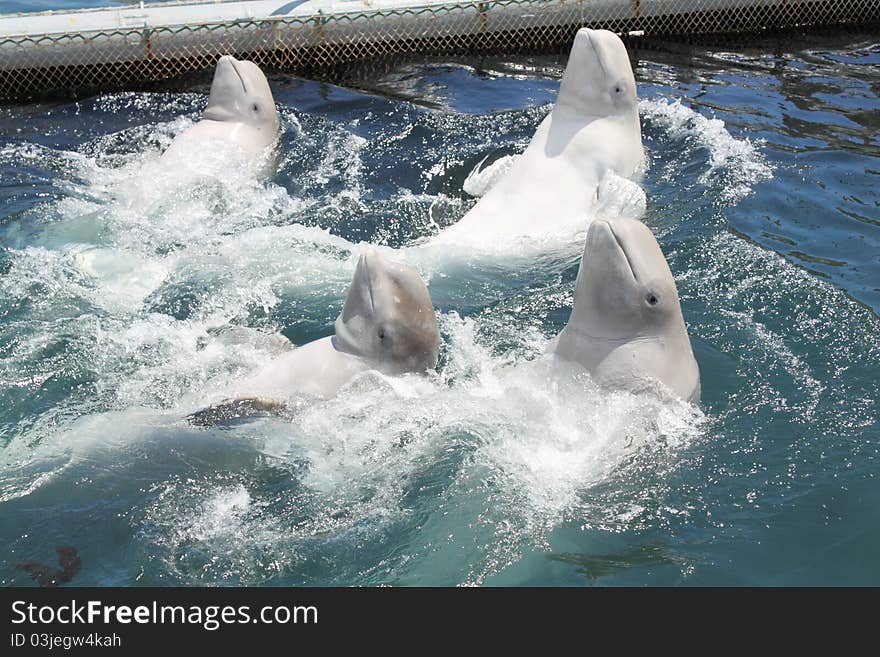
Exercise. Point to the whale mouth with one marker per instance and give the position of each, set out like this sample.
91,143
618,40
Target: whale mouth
232,62
622,246
597,53
368,279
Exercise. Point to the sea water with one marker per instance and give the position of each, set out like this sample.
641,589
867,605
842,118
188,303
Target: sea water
132,295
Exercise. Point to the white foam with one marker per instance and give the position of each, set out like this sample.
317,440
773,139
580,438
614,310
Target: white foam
216,530
554,431
620,197
124,279
42,278
220,514
343,159
543,433
543,430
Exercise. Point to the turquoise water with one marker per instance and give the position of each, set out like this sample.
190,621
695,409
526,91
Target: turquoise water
120,290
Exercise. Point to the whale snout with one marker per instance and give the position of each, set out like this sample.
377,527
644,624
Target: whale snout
612,252
597,235
372,266
598,50
367,266
599,226
602,238
372,260
229,68
227,62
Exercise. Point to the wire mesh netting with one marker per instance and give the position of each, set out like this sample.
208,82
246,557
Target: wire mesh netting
36,63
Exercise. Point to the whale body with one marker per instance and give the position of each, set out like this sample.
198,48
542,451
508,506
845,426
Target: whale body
592,130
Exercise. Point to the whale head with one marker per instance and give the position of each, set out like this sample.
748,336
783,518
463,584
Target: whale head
240,93
598,79
388,317
626,296
625,287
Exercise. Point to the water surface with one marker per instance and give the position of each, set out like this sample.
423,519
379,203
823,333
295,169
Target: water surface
128,300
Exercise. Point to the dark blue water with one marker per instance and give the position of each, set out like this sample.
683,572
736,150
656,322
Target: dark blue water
120,290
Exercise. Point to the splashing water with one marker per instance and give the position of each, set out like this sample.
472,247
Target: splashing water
128,300
738,163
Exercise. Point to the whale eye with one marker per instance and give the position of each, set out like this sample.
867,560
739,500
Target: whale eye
652,299
255,107
618,89
381,333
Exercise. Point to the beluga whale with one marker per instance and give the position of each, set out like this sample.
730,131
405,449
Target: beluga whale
240,113
626,327
551,189
387,324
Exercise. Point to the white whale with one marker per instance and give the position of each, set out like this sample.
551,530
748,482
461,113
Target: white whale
551,188
240,113
626,326
387,324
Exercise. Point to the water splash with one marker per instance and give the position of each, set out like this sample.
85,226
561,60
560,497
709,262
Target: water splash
735,165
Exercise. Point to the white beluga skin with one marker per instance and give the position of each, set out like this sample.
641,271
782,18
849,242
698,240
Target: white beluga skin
593,129
387,324
626,326
241,112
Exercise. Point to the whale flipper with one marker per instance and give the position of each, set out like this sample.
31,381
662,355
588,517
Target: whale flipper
235,409
482,179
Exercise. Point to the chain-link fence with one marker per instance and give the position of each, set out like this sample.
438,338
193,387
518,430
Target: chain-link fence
35,64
